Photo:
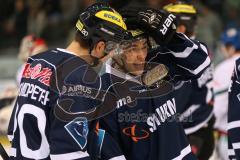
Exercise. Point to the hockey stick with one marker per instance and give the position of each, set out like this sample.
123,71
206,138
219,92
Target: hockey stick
3,153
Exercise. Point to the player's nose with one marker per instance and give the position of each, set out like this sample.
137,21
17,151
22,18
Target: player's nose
141,56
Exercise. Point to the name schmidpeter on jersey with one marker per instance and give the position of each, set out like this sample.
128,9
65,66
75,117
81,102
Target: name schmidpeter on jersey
34,92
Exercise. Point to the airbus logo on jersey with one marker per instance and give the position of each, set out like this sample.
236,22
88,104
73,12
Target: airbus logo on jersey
37,72
167,23
76,90
161,114
135,133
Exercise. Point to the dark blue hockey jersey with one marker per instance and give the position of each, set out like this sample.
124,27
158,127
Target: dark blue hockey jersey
143,128
186,58
197,108
234,114
55,86
147,127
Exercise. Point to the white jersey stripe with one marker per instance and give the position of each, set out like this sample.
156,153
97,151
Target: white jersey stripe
204,48
234,124
118,158
200,68
183,153
231,152
236,145
197,127
185,53
69,156
12,152
10,138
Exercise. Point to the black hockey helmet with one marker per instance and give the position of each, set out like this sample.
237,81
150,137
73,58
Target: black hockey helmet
186,13
134,35
137,34
101,22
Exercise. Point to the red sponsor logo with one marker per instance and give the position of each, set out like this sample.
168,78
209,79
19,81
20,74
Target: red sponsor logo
135,134
194,149
37,72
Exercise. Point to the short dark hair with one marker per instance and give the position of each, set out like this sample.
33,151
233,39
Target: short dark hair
84,43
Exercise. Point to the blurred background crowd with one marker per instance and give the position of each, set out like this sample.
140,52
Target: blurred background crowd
54,20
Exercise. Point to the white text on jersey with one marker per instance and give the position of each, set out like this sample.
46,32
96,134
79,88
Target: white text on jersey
34,92
163,112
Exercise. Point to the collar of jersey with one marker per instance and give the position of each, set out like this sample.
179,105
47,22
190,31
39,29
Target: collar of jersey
64,50
113,71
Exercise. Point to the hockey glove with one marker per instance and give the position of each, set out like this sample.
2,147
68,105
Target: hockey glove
159,24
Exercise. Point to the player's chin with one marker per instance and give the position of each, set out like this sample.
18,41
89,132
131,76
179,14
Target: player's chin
137,72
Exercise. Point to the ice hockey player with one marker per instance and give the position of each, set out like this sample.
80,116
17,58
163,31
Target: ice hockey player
145,125
226,93
37,130
195,98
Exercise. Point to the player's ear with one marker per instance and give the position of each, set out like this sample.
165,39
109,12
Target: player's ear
99,49
181,29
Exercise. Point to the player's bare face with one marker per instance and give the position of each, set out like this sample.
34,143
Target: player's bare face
228,50
134,57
